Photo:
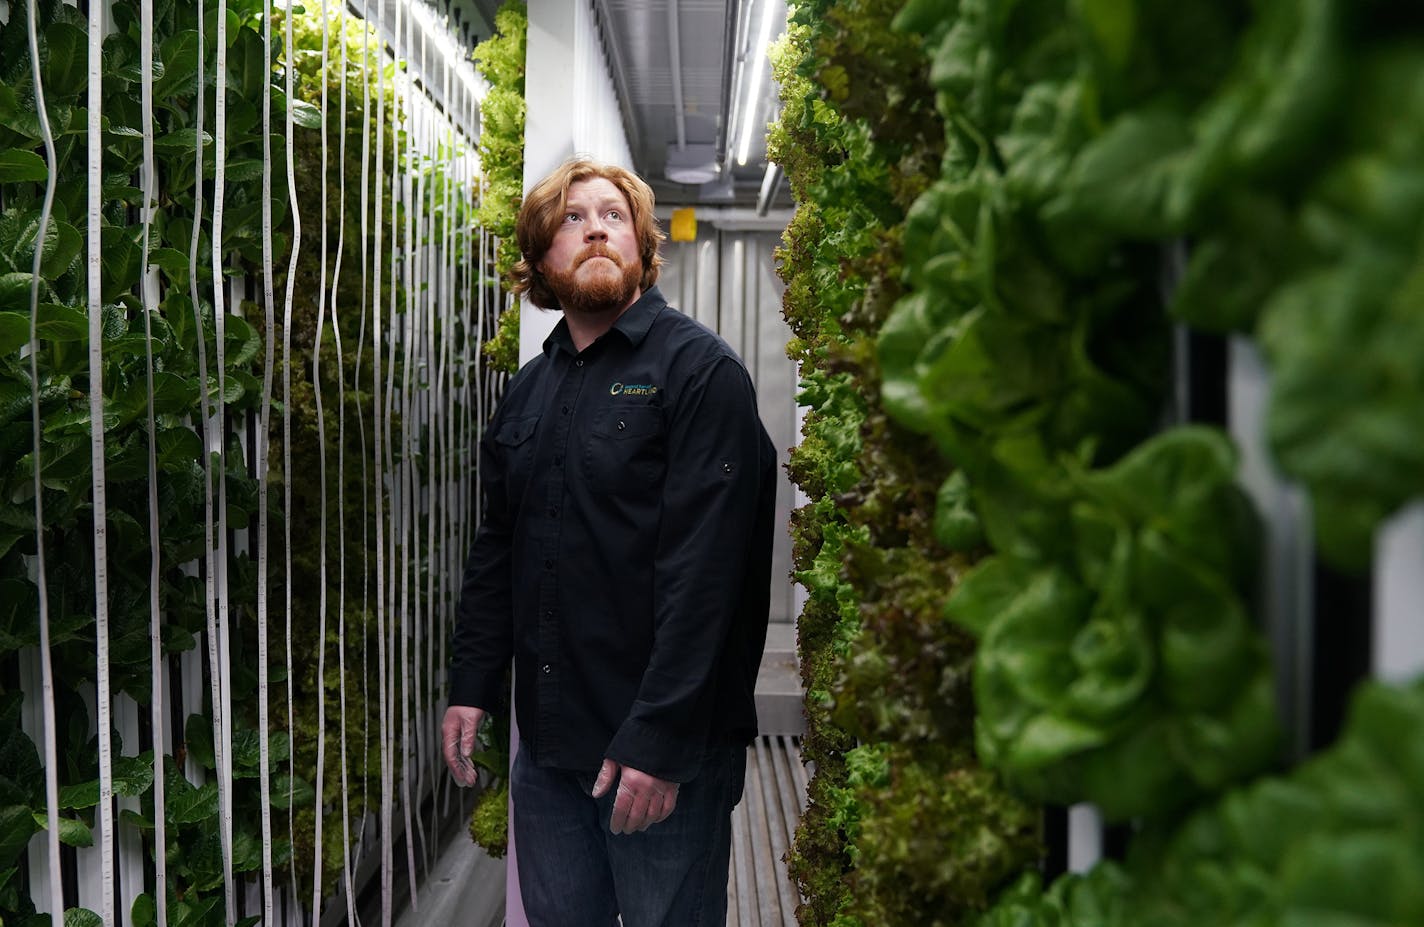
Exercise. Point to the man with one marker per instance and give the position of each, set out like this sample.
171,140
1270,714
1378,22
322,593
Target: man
624,564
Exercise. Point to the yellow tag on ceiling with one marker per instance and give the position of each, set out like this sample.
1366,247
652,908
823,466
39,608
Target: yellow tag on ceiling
684,224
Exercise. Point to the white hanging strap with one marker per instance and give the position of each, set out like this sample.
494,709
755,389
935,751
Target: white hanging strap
346,874
159,713
289,67
320,784
366,72
96,459
382,441
411,268
264,725
222,667
210,569
51,736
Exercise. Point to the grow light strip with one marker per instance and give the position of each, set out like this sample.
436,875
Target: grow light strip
347,880
51,736
289,66
158,713
320,685
96,460
222,666
264,731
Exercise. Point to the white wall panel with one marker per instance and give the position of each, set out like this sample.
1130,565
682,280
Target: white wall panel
728,282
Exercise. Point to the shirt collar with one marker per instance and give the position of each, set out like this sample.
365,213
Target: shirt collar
634,323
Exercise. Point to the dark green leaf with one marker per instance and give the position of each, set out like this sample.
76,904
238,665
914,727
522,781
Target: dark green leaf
144,912
17,825
180,140
305,114
198,734
82,917
62,323
14,329
72,832
19,166
288,791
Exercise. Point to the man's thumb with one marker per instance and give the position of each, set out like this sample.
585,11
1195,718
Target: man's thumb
605,778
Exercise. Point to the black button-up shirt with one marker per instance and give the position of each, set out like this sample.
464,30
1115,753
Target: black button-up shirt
624,559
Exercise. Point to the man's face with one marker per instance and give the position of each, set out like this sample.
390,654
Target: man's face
593,264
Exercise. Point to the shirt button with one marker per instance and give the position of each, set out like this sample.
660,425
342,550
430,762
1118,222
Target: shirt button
553,512
548,564
547,669
726,468
558,461
566,410
621,426
578,363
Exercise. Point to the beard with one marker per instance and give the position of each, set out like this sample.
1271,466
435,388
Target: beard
604,290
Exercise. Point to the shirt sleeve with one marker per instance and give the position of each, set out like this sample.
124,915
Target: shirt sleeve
709,515
484,621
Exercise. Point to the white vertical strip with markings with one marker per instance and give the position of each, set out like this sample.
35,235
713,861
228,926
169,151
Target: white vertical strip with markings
96,458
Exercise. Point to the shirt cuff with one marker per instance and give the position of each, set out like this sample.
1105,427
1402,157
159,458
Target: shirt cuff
655,751
476,690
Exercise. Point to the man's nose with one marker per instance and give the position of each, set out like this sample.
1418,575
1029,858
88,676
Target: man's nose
594,231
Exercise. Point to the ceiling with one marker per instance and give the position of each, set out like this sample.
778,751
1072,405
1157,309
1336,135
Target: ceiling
683,71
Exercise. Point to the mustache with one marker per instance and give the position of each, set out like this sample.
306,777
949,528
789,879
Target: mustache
596,250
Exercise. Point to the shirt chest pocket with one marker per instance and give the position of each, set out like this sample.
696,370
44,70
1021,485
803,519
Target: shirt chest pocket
626,449
515,440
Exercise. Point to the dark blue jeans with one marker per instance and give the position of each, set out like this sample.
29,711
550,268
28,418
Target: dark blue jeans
573,872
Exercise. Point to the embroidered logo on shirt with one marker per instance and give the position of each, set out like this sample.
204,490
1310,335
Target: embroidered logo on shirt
632,389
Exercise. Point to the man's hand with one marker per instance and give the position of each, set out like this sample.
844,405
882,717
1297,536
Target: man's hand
642,800
457,739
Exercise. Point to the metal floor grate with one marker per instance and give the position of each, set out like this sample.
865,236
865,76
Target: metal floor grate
759,892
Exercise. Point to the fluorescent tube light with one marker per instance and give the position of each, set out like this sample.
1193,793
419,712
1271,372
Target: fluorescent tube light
758,63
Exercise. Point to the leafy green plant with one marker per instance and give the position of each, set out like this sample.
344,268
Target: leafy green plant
1335,841
501,62
179,330
886,678
1118,664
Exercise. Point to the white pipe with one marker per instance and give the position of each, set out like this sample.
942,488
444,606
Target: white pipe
675,54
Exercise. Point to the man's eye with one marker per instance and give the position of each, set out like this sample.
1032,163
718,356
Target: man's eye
571,217
615,214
